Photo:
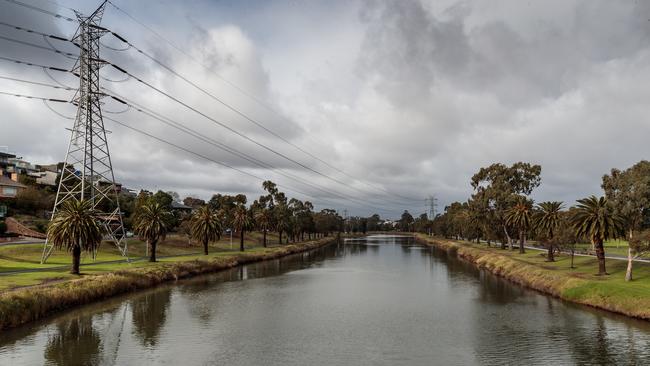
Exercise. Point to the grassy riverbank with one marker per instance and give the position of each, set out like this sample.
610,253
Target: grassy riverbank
579,285
99,282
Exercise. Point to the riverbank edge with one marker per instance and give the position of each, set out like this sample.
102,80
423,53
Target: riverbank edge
560,285
22,306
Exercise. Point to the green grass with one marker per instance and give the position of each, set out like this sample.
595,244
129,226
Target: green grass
175,248
580,284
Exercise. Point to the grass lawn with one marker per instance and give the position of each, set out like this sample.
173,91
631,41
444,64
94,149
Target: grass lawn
21,257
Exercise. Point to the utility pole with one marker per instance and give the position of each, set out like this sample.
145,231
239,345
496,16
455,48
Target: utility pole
87,173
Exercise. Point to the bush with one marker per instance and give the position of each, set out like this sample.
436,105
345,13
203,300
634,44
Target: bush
3,228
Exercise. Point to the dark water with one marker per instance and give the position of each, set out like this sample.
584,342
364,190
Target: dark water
377,301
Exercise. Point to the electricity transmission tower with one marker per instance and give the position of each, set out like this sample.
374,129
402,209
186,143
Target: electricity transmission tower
431,203
87,173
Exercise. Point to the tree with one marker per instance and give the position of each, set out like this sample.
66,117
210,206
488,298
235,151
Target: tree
281,220
406,221
595,219
76,228
263,221
519,216
241,222
498,187
206,226
151,223
547,221
639,245
193,202
628,192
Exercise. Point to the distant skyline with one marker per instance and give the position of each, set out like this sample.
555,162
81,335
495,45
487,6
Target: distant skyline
413,96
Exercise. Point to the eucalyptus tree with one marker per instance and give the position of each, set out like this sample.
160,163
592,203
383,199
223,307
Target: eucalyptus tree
519,216
151,223
639,245
547,219
75,226
628,192
498,187
406,221
206,226
241,222
593,218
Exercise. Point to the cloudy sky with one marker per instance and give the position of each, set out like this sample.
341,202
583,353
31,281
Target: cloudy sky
399,99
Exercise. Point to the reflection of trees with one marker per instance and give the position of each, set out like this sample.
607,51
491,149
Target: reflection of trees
588,344
75,343
149,314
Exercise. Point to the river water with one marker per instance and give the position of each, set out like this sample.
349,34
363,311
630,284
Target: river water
379,300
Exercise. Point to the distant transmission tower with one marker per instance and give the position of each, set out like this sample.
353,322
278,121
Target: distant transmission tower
431,203
88,172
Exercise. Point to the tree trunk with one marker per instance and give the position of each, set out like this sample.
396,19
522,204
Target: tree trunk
507,237
572,252
152,250
264,239
549,255
522,235
241,240
280,237
76,259
630,260
205,247
600,254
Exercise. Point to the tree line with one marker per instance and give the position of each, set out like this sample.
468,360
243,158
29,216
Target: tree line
501,211
76,227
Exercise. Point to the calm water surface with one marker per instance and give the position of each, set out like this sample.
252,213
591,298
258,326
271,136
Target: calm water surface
375,301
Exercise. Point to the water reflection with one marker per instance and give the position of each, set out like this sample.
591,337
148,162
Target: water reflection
75,342
149,313
380,301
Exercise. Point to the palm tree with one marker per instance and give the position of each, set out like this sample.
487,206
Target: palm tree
206,226
263,220
547,221
75,227
150,223
240,222
594,219
519,216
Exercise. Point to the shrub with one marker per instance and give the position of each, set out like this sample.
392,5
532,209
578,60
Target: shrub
3,228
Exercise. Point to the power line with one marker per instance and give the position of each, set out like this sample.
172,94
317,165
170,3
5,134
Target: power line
54,49
141,109
242,91
33,97
177,125
51,49
36,83
228,127
208,158
34,32
41,10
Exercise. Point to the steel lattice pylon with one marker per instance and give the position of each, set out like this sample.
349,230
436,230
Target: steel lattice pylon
87,173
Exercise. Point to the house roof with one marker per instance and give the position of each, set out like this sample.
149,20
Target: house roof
180,206
6,182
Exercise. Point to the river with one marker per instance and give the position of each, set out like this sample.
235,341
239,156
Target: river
380,300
